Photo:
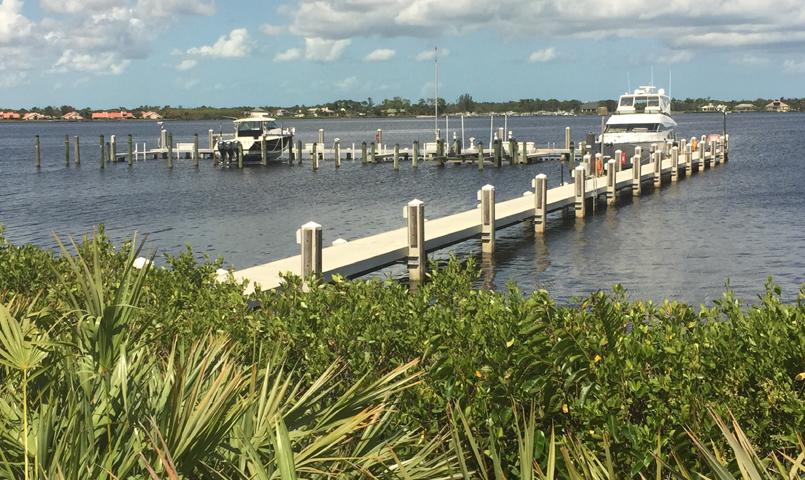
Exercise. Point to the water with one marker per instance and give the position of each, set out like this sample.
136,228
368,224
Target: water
738,223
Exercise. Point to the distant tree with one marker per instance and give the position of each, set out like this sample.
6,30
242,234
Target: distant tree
66,109
465,103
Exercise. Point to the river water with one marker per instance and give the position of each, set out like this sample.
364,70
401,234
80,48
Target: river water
738,223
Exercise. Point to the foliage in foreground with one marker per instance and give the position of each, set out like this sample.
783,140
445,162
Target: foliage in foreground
109,371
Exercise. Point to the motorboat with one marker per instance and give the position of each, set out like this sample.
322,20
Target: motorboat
642,118
251,132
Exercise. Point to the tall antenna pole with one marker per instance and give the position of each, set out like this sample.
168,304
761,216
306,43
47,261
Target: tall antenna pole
436,92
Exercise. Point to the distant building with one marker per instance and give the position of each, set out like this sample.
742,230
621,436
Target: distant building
35,116
10,116
603,111
281,112
72,116
149,115
745,107
589,108
710,107
778,106
121,115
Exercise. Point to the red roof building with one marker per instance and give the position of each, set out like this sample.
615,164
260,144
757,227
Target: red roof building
121,115
10,116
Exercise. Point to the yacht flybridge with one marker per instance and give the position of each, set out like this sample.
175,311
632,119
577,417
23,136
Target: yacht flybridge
642,117
250,132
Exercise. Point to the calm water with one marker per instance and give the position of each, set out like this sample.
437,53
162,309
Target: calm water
739,223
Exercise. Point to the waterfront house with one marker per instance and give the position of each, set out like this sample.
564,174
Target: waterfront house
121,115
778,106
710,107
149,115
10,116
589,108
72,116
35,116
745,107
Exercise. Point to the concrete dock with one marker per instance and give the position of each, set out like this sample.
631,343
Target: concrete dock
360,256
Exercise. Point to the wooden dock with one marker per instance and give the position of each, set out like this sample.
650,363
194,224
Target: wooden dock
412,243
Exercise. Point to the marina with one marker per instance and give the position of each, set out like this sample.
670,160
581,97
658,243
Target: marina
249,216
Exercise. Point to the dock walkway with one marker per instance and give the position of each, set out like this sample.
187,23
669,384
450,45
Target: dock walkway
360,256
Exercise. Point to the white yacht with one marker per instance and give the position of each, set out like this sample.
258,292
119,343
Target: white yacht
250,131
641,118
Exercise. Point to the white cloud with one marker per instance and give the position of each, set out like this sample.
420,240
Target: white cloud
347,83
288,55
794,66
235,44
675,56
542,56
169,8
106,63
13,79
322,50
271,30
186,64
430,54
14,26
380,55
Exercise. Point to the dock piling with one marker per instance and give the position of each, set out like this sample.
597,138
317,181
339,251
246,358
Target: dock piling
611,172
77,152
103,152
309,237
567,138
337,151
240,155
37,152
498,154
210,140
480,155
321,136
415,154
657,168
512,150
524,157
131,149
701,156
540,184
636,174
263,152
618,160
372,153
674,164
487,197
417,258
713,153
314,156
113,148
581,197
299,152
396,156
195,149
66,150
290,151
364,158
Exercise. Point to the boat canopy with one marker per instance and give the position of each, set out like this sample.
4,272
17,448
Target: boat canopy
644,100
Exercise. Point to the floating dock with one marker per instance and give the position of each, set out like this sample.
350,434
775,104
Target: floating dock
412,243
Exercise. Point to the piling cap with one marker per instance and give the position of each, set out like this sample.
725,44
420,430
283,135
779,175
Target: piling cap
307,226
413,203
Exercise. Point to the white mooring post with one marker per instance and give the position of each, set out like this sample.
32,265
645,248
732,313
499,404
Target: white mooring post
636,174
415,154
309,237
417,260
487,197
611,173
321,136
567,138
396,158
337,148
688,160
524,154
701,156
580,183
209,140
618,156
540,184
586,161
674,164
657,169
638,151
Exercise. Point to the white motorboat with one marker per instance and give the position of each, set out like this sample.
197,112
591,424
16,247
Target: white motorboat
250,132
642,118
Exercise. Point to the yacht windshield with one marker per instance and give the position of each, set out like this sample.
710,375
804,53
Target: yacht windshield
255,127
627,101
634,128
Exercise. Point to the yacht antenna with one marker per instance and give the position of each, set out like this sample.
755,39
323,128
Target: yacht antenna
436,92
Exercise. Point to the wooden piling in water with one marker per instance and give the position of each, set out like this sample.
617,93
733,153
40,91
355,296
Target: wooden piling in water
77,152
480,155
321,137
396,156
657,165
195,150
701,156
567,138
290,151
372,153
240,155
674,164
113,148
299,152
37,152
540,184
103,152
66,150
581,197
263,152
512,151
524,157
170,149
364,158
498,152
131,149
314,156
337,149
487,197
417,258
310,239
415,154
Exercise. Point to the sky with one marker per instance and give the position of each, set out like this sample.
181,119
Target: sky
111,53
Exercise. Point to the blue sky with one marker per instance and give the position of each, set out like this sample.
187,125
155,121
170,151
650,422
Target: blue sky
107,53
